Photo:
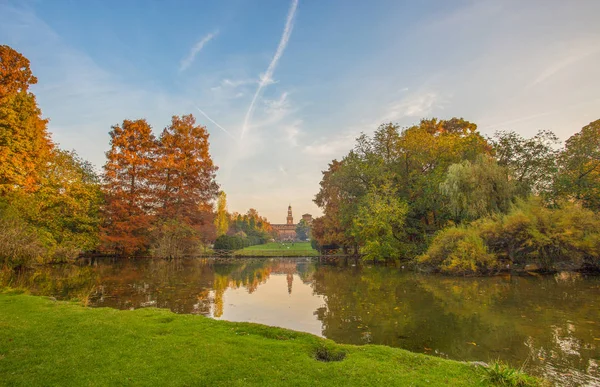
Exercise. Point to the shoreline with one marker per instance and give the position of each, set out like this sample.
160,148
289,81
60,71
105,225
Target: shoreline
59,342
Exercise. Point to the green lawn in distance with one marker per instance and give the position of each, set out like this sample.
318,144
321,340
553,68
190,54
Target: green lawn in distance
279,249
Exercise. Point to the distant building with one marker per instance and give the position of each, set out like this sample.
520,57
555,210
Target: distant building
287,231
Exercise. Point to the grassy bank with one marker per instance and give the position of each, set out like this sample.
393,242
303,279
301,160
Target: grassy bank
45,342
278,249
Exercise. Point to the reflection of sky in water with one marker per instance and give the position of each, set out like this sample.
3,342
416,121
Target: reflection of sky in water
271,304
549,324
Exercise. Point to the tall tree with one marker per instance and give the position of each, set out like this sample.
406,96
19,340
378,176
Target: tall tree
25,144
579,177
531,162
332,229
185,176
379,224
128,191
222,218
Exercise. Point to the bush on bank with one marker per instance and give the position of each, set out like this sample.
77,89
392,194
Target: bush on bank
565,238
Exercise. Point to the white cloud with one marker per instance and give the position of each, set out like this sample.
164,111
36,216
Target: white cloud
292,132
327,147
417,105
189,59
571,54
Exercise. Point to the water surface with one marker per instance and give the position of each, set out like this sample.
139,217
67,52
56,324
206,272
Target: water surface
549,324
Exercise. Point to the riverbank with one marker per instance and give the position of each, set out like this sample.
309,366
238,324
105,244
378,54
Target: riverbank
49,342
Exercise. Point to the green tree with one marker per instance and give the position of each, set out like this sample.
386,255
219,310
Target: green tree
64,212
68,203
579,176
414,161
531,162
222,218
476,189
379,224
302,230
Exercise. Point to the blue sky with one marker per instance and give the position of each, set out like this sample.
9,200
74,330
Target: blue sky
319,73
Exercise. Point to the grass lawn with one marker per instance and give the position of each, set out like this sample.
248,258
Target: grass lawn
279,249
46,342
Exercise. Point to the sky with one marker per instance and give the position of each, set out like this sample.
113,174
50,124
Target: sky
285,86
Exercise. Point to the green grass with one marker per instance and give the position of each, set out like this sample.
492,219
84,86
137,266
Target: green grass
278,249
501,374
46,342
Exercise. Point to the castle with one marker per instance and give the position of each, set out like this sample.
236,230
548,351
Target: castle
287,231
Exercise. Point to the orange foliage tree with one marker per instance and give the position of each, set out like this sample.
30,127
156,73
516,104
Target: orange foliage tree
159,192
25,144
185,172
129,196
184,178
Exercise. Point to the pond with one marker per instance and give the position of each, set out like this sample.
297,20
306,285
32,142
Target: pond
549,324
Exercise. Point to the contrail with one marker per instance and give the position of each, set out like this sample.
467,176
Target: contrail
187,61
266,77
217,125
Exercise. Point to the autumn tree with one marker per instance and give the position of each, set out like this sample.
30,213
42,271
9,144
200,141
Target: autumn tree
185,172
50,198
130,201
25,144
184,187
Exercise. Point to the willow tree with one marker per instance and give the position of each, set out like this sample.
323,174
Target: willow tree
476,189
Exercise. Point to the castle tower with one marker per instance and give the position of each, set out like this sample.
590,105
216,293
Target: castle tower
290,218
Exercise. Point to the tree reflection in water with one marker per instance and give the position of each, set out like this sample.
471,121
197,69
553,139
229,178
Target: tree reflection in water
551,323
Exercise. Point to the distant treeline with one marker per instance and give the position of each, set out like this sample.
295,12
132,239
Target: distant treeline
442,195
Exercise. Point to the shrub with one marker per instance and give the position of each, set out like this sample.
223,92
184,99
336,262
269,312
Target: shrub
175,239
459,250
20,244
501,374
237,242
554,239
